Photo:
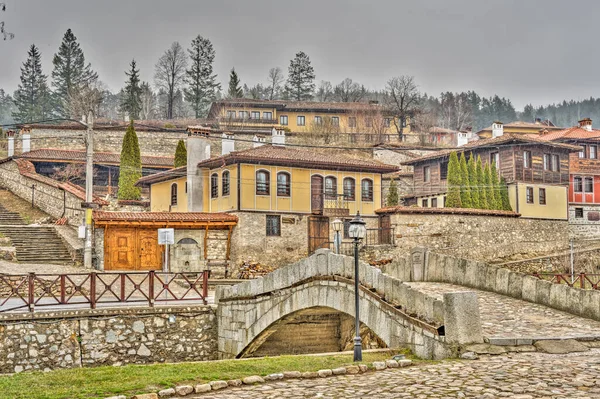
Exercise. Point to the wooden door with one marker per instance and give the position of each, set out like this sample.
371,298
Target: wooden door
385,229
149,252
316,190
120,249
318,233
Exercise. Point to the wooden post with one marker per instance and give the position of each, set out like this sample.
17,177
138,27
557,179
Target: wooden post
31,291
62,288
229,242
151,288
206,243
93,290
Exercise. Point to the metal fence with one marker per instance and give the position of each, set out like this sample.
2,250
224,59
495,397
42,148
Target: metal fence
380,236
89,290
582,280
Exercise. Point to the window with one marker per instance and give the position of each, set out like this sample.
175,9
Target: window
267,115
273,225
300,121
426,174
425,203
577,184
593,152
527,159
283,184
352,121
243,114
367,190
225,183
318,120
579,213
589,185
230,114
555,163
434,202
283,120
368,122
262,182
529,195
542,193
173,194
547,165
444,201
444,170
349,189
335,120
387,122
582,152
495,159
330,187
214,185
255,115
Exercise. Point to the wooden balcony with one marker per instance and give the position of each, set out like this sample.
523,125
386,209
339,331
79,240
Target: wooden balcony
335,206
246,121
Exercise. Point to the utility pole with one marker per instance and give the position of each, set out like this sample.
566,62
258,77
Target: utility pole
89,185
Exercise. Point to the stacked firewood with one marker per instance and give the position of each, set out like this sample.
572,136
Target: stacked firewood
380,262
253,270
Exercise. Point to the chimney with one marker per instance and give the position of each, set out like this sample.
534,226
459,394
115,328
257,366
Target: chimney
538,121
26,137
497,129
227,143
462,138
586,124
198,150
278,137
259,141
11,142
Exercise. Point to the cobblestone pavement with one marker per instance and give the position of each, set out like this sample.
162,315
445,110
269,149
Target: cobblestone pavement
506,317
522,376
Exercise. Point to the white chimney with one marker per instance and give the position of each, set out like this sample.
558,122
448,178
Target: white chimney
497,129
227,143
198,150
462,139
258,141
11,142
278,137
26,136
586,124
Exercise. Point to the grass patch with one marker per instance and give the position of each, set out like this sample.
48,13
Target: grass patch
101,382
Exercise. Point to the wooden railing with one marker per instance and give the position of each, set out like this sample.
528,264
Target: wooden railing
89,290
581,280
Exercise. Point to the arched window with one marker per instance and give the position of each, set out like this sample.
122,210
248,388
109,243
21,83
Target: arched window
214,185
330,187
367,190
187,241
262,182
225,182
349,189
283,184
173,194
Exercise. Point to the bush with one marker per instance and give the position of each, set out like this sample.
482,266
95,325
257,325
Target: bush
130,170
180,154
454,182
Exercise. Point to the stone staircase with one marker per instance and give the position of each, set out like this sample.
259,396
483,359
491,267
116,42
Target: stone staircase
9,218
37,244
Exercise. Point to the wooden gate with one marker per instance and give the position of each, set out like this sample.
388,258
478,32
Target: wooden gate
318,233
385,230
132,249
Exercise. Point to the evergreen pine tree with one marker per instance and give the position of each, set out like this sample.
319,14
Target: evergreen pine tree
489,190
300,84
392,196
465,189
472,170
495,182
235,91
180,154
454,182
70,72
202,84
483,202
131,100
32,97
130,170
504,195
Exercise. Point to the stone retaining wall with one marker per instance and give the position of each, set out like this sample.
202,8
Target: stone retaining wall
89,338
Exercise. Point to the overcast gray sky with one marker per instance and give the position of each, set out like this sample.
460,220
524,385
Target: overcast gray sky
538,51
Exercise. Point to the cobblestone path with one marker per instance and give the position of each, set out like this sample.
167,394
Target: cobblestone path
520,376
506,317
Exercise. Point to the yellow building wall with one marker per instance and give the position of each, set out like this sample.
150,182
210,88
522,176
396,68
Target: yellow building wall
160,196
221,203
556,201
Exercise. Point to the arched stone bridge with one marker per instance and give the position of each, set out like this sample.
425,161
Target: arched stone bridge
248,313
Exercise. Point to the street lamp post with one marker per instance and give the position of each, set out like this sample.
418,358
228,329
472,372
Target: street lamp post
357,232
338,225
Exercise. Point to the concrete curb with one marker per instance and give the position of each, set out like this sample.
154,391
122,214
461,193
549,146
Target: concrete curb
184,390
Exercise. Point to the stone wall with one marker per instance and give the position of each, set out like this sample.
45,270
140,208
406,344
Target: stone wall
90,338
587,226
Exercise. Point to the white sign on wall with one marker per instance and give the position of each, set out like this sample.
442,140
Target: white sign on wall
166,236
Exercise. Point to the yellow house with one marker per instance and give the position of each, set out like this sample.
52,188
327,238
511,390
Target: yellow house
517,127
299,116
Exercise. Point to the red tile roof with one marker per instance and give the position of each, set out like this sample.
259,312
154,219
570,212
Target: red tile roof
528,125
449,211
164,216
55,154
163,176
279,155
574,132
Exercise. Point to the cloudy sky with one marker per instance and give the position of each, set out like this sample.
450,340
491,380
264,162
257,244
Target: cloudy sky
538,51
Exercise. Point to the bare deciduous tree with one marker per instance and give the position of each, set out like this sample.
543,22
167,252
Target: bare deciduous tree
86,98
71,172
148,102
324,92
276,79
402,100
5,35
349,92
169,74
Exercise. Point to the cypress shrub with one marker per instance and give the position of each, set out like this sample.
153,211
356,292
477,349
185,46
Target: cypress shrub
465,188
496,187
130,170
392,195
180,154
454,182
504,195
472,170
489,190
481,187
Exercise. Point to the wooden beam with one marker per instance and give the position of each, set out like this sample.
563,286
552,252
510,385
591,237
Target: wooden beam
229,242
206,243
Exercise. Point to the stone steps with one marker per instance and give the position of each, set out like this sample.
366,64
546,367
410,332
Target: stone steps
37,244
10,218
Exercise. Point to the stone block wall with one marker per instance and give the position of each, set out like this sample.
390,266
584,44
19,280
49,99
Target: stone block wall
90,338
587,226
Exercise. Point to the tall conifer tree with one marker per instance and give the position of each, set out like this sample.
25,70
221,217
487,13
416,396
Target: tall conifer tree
453,199
32,97
180,154
495,182
131,100
130,170
504,195
465,189
472,169
235,90
202,84
392,196
300,84
489,190
483,202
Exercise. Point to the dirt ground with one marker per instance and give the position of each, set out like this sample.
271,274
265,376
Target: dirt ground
15,204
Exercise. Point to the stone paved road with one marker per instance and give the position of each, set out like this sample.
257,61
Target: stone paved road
521,376
506,317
